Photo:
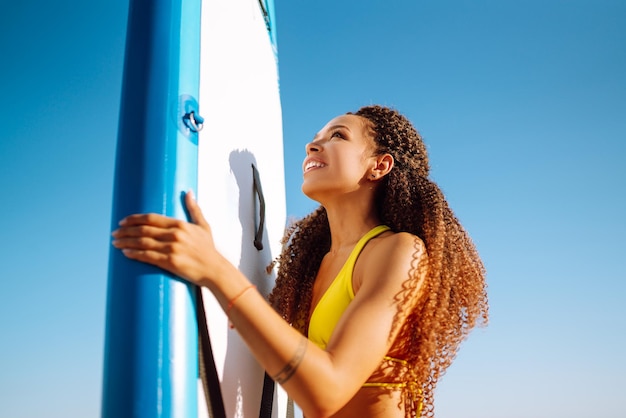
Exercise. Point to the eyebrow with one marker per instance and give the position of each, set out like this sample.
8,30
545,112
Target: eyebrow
331,128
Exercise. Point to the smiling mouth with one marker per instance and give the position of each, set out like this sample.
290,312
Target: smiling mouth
311,165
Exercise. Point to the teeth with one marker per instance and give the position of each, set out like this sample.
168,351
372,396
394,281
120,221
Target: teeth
312,164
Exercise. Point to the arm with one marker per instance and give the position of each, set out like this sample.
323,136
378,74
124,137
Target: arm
321,382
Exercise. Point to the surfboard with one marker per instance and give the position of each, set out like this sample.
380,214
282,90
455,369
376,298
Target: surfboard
151,356
242,140
216,58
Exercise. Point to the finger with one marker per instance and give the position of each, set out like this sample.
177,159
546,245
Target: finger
151,257
162,234
142,243
153,219
166,261
194,210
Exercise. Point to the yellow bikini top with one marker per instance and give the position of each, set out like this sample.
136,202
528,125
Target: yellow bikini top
337,297
333,304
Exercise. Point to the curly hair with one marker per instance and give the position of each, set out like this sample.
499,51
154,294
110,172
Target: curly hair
454,297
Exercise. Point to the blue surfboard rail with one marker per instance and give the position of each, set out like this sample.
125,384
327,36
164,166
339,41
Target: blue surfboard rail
269,14
151,361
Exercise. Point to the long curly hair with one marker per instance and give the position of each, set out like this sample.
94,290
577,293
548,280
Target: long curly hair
454,290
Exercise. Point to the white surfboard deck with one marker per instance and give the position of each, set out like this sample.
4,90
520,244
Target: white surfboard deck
239,100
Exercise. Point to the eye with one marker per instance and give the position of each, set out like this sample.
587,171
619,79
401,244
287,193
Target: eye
337,134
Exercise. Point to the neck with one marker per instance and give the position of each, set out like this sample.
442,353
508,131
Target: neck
349,220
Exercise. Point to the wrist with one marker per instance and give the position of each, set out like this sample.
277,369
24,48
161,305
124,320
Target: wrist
224,278
217,274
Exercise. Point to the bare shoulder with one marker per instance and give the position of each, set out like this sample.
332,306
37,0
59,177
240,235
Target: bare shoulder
398,246
395,256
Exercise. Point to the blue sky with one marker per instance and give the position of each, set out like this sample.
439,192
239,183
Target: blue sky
522,105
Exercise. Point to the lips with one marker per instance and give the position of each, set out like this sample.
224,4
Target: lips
312,165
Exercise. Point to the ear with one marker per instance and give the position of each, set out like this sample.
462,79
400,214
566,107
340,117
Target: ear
383,165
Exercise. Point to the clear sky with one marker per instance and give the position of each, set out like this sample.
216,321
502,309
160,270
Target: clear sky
522,105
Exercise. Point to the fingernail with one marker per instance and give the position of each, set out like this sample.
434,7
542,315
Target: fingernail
122,222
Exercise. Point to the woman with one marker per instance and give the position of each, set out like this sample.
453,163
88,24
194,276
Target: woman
382,278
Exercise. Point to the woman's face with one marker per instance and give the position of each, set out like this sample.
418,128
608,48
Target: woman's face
339,158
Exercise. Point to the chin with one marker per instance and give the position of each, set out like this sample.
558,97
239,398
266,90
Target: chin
307,190
311,191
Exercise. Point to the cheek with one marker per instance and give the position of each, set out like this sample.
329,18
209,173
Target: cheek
351,173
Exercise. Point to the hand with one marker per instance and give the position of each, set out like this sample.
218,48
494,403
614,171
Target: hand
182,248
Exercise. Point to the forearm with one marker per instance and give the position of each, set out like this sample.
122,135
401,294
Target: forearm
305,371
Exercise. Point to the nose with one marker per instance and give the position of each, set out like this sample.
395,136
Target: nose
313,147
